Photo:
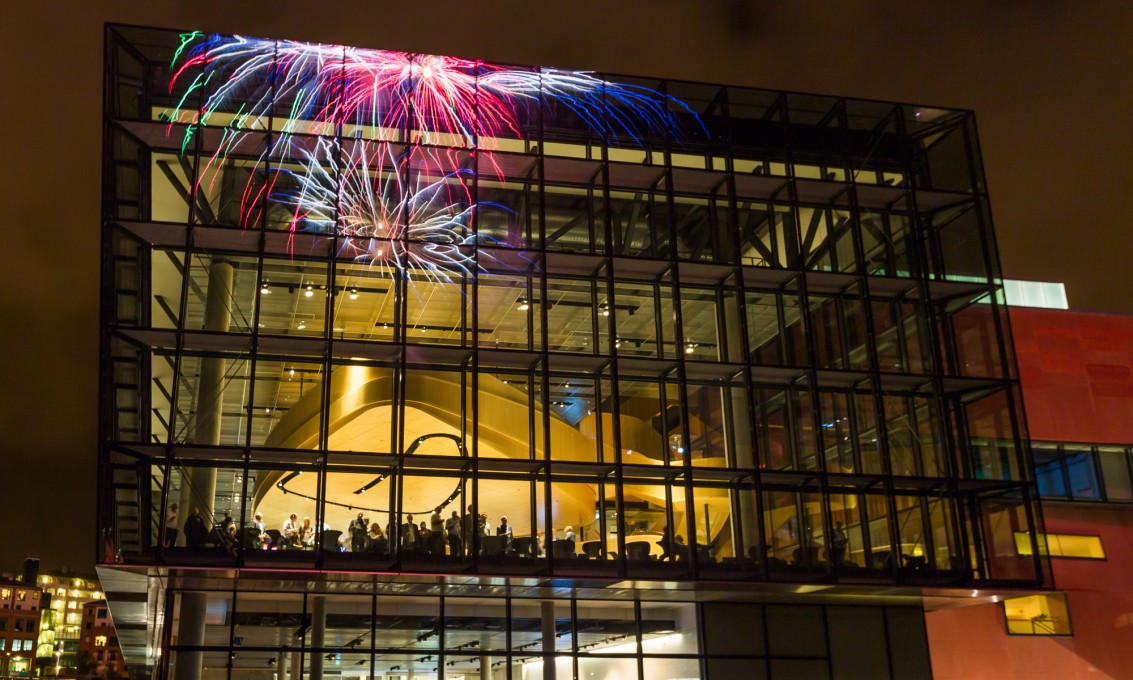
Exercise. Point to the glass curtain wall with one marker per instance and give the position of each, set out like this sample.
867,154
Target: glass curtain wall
575,324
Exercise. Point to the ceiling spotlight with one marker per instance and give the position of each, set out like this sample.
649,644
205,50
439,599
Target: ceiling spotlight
310,291
617,344
264,289
690,347
302,325
291,374
353,293
604,309
522,304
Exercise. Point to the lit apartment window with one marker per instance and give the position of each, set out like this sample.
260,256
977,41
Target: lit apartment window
5,593
100,641
21,595
1046,614
1062,545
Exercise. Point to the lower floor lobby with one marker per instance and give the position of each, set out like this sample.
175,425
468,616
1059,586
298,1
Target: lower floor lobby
222,625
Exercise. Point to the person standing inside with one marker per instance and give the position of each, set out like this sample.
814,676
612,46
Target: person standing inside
468,535
261,528
290,532
504,529
171,527
437,532
838,543
408,535
453,529
195,530
359,527
307,534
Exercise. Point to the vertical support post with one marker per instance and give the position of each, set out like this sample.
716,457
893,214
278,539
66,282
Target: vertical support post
547,611
190,632
485,660
281,666
198,484
318,635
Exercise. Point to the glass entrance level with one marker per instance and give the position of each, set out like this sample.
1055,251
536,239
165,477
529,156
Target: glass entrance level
370,311
358,634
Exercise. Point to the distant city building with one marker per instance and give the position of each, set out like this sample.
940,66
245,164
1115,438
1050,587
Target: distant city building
21,602
64,594
99,653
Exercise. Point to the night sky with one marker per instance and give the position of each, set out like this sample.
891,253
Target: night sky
1051,84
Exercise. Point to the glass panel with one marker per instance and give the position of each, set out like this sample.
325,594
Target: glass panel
774,326
1114,463
647,420
700,321
1049,473
365,306
840,334
571,315
837,446
1082,475
767,234
288,394
889,248
1046,614
847,541
361,408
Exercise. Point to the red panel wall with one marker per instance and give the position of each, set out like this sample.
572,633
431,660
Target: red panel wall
970,643
1077,374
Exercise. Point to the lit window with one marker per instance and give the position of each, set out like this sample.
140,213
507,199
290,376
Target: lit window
3,643
35,596
21,595
5,593
1046,614
72,605
1062,545
100,641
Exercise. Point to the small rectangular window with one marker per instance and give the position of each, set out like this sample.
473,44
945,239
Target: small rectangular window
1046,614
1062,545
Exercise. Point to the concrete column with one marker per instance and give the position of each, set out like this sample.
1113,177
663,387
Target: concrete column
296,665
547,611
201,487
190,631
318,634
281,666
485,660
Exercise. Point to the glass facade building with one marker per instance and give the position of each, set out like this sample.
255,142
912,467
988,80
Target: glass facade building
696,344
